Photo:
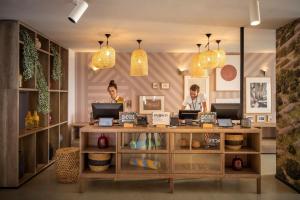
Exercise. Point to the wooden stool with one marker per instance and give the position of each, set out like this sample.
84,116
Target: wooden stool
67,165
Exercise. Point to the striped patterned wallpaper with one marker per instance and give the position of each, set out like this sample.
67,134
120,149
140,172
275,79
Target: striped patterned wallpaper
91,86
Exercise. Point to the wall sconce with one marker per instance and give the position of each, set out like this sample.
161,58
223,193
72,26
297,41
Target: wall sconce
264,70
182,70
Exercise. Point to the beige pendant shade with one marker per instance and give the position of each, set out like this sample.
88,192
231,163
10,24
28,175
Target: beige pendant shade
210,57
221,56
97,59
196,66
108,55
139,62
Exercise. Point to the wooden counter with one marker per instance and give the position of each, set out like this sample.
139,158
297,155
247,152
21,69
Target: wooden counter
175,161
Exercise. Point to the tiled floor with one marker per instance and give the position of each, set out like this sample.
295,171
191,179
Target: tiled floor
44,187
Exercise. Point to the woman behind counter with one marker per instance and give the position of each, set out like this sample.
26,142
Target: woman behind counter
112,89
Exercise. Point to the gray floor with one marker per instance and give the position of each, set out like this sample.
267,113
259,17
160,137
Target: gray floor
45,187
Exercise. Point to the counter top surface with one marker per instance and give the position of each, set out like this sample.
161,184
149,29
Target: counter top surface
178,129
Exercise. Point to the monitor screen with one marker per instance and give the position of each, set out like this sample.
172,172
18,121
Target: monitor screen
227,110
188,114
107,110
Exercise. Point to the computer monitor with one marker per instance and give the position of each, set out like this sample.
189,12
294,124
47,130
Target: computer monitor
227,110
188,114
107,110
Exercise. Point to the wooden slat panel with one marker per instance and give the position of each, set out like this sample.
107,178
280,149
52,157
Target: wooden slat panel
9,138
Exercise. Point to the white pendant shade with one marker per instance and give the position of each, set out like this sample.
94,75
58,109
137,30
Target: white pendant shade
254,13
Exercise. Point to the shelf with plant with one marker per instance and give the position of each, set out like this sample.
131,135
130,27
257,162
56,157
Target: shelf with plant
55,67
33,69
64,69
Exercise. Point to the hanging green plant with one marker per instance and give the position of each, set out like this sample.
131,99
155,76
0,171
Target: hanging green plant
32,64
56,71
31,56
43,99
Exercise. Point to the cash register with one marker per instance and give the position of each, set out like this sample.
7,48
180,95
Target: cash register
107,114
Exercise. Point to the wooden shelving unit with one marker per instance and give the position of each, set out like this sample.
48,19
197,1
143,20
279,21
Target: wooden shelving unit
177,159
29,151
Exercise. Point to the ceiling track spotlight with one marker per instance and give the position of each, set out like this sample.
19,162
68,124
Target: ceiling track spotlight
254,12
78,10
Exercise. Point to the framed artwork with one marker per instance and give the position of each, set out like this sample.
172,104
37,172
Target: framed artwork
155,85
202,82
258,95
165,86
150,104
261,118
228,77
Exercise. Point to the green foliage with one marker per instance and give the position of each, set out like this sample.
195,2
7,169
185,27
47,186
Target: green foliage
43,106
293,169
292,149
292,98
31,57
32,64
56,71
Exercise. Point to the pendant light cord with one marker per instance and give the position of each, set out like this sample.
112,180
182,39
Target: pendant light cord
208,36
107,36
139,42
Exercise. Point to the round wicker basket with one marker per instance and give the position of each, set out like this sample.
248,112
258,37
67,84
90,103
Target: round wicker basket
67,165
234,141
99,162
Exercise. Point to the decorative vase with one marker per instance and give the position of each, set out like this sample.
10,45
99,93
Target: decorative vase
132,144
38,44
36,119
237,164
28,121
102,142
142,141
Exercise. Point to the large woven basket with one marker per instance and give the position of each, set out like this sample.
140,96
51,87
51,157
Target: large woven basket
99,162
234,141
67,165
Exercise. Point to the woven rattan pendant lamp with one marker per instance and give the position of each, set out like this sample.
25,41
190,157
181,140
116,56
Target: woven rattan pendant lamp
97,59
221,56
210,56
108,55
139,62
196,67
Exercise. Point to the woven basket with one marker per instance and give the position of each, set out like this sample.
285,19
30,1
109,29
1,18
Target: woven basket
234,141
99,162
67,165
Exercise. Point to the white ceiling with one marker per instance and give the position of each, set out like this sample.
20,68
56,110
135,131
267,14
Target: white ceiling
164,25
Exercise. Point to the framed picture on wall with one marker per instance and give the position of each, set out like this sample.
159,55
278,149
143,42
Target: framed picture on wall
165,86
261,118
150,104
202,82
228,77
258,95
155,85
